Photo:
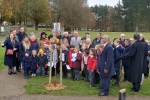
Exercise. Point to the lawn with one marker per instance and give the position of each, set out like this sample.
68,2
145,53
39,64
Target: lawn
36,85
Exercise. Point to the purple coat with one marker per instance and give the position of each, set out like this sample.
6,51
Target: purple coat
77,63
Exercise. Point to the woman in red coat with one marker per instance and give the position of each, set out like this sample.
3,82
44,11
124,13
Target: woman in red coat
76,59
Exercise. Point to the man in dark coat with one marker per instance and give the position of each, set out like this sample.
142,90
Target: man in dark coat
66,35
106,66
21,34
136,54
126,62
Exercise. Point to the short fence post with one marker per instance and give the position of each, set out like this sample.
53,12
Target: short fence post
122,94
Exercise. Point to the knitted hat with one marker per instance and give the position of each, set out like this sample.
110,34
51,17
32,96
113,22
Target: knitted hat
47,43
41,51
28,52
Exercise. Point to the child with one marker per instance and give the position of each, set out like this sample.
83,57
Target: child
55,58
47,53
83,48
64,60
34,63
58,56
69,60
76,59
118,50
42,62
26,63
84,60
92,63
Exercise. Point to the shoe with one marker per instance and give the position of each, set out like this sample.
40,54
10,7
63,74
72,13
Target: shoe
26,77
14,73
9,73
90,86
34,75
115,84
102,94
18,71
134,91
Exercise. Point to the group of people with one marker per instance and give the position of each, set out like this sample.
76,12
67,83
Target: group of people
99,60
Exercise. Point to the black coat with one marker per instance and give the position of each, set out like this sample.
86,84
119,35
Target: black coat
145,64
65,57
21,36
136,54
11,60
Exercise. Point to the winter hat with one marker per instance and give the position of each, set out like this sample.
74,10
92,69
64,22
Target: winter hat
84,38
41,51
47,43
28,52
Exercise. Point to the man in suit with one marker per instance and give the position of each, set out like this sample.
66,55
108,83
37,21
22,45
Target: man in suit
76,39
106,66
137,53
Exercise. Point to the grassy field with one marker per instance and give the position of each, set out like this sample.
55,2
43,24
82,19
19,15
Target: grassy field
36,85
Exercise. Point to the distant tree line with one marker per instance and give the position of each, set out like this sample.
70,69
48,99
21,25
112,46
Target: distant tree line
125,16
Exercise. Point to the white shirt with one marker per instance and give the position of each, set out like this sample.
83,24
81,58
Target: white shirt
105,44
85,59
74,55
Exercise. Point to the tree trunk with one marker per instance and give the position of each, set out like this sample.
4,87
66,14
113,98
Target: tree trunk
36,26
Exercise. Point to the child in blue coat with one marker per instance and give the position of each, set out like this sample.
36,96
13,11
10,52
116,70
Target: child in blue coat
118,50
34,62
27,63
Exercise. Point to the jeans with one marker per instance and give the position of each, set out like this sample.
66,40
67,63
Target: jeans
91,77
41,68
76,74
26,71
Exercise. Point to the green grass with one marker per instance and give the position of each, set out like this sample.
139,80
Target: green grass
2,51
36,86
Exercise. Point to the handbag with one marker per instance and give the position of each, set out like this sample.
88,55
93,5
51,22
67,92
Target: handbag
9,52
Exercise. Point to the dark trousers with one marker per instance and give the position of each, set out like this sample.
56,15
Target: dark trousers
65,71
105,81
33,70
126,73
136,86
58,68
72,73
147,73
26,71
97,79
86,73
18,65
92,77
117,76
46,70
76,74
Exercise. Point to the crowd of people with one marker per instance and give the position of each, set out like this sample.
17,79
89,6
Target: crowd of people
98,60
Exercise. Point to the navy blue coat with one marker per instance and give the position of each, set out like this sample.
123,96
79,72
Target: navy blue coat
21,51
27,62
21,36
34,62
106,61
34,46
117,54
10,60
126,62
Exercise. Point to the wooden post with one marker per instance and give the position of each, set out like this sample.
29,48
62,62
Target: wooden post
62,30
122,94
50,71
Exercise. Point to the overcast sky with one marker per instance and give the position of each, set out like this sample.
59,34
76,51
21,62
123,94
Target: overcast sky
102,2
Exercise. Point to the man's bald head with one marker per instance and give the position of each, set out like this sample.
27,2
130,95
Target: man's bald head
141,36
105,39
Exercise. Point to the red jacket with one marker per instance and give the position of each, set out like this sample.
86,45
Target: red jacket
77,63
69,58
92,63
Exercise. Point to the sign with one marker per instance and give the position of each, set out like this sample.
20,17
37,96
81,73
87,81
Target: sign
57,27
